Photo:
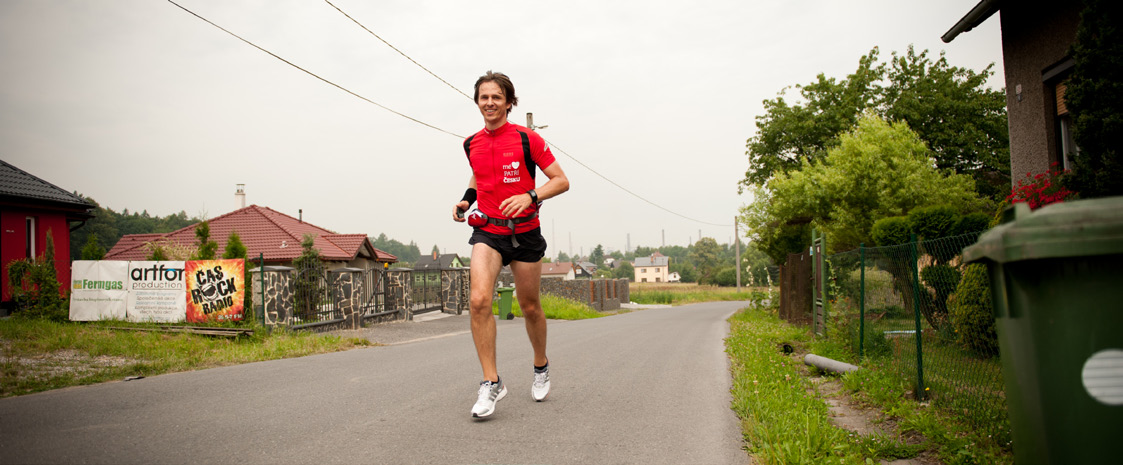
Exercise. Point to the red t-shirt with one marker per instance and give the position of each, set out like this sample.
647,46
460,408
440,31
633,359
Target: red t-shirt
504,162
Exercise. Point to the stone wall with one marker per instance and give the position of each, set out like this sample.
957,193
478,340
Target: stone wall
600,294
277,305
455,288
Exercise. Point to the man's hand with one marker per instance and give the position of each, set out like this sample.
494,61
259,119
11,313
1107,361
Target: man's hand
458,211
515,205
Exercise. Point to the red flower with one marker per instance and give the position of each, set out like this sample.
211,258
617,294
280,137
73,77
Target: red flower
1040,190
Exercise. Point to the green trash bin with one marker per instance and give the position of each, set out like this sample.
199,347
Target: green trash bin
505,303
1056,278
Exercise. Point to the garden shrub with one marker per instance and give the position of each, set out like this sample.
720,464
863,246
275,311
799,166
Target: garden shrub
891,231
972,312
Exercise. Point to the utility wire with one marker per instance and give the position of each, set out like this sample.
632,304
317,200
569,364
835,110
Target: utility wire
396,49
614,183
384,107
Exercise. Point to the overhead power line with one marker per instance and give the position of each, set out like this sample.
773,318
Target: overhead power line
396,49
384,107
579,162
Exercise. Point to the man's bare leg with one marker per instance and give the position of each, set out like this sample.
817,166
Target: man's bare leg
527,283
485,266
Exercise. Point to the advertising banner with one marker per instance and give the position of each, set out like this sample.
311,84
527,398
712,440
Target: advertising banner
97,290
156,292
215,290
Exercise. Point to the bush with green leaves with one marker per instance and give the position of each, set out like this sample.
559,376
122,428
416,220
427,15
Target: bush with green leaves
972,313
35,287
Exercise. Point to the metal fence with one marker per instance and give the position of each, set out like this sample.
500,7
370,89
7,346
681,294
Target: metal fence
312,299
917,311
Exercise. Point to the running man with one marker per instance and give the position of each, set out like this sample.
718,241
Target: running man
504,157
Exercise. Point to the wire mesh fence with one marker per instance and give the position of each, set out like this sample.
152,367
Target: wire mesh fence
918,312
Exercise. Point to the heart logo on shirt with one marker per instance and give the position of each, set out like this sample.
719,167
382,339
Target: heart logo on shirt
515,165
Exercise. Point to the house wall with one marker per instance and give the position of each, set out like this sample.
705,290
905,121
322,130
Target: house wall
652,274
13,239
1035,37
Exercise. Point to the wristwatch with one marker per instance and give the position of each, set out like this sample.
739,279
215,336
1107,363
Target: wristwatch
533,196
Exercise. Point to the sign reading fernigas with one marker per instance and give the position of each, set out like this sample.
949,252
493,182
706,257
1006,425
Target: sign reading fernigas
153,291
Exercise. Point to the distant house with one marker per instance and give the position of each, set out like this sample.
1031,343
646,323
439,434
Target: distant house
1036,41
265,232
674,277
438,261
29,208
653,269
558,270
581,272
434,262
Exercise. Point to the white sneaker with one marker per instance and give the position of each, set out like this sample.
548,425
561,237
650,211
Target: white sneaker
541,387
490,393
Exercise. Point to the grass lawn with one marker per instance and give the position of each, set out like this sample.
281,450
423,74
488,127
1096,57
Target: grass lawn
40,355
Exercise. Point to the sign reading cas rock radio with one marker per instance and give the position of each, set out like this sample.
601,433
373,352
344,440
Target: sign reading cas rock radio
156,291
215,290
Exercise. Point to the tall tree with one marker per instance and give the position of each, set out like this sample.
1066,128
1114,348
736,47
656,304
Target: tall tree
206,247
962,121
597,256
93,249
705,258
234,246
878,170
1094,96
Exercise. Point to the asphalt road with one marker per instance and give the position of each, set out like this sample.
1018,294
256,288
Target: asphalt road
645,387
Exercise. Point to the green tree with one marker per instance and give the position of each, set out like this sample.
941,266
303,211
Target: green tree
206,247
1094,96
436,250
755,266
705,259
878,170
93,249
234,247
598,255
625,271
563,257
962,122
687,273
308,284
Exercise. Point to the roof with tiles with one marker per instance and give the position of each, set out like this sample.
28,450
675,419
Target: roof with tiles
557,268
263,231
19,184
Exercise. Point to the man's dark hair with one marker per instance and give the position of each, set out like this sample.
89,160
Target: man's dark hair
504,84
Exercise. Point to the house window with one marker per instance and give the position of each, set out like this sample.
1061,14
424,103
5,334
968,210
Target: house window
1066,145
29,245
644,280
643,270
657,279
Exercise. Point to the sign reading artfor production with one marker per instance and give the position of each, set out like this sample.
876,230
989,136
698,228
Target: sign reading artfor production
215,290
156,291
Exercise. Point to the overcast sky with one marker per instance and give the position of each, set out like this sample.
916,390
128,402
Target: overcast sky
143,106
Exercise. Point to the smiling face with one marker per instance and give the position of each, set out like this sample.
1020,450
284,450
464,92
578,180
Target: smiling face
493,105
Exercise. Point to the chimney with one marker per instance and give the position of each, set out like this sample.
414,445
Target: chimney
300,215
434,255
240,195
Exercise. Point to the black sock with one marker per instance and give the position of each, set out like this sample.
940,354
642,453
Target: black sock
539,369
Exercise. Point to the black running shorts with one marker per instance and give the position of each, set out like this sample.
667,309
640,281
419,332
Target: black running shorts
532,246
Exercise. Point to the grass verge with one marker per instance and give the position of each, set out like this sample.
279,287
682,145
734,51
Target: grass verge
784,422
40,355
689,293
555,308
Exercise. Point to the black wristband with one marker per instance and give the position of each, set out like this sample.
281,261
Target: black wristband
470,196
533,196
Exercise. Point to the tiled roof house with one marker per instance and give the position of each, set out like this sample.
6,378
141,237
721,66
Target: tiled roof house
558,270
267,232
653,269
